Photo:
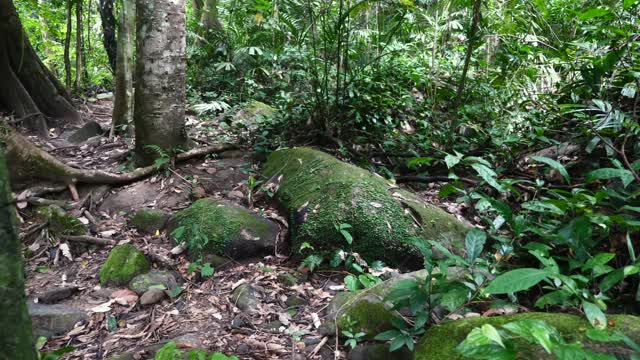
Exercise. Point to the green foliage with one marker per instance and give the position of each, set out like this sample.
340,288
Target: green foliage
170,351
487,342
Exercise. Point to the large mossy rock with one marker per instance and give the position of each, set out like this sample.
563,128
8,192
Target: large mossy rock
439,342
123,264
252,114
319,192
160,279
211,226
367,310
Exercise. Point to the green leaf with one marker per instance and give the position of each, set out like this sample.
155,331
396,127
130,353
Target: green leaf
492,334
474,243
175,292
452,160
207,270
594,314
594,13
616,276
625,175
351,283
555,165
489,176
387,335
516,280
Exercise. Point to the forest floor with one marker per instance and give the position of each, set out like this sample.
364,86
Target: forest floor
204,315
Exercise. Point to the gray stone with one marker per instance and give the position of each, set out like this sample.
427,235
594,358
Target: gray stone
245,298
155,278
148,221
140,195
89,130
52,320
152,296
379,352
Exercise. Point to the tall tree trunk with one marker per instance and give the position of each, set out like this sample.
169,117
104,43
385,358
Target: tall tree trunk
159,112
16,339
109,30
67,48
123,103
210,20
46,37
29,90
79,48
197,8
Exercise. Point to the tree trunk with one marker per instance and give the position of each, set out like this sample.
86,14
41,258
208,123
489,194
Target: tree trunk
210,20
16,339
109,30
67,49
78,81
29,90
123,103
159,112
46,37
197,8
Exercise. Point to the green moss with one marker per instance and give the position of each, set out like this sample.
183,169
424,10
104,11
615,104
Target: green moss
123,264
368,315
319,192
61,223
440,341
149,220
209,225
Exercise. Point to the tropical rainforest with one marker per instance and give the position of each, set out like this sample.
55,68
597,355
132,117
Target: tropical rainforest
319,179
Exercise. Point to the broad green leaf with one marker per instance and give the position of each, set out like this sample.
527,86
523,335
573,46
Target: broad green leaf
625,175
452,160
351,283
474,243
594,314
489,176
492,334
555,165
594,13
516,280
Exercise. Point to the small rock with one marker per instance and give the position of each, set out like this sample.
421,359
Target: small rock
152,296
148,221
273,325
89,130
235,194
311,341
243,349
239,322
51,320
188,341
245,298
155,278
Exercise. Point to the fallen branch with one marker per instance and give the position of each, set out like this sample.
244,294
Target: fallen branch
88,240
27,162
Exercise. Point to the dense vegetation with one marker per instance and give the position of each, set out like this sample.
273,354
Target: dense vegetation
526,112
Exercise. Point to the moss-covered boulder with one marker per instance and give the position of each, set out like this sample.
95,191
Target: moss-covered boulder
252,114
148,221
211,226
60,222
164,280
123,264
379,352
366,310
439,342
319,192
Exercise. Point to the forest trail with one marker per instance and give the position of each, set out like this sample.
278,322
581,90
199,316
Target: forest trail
246,307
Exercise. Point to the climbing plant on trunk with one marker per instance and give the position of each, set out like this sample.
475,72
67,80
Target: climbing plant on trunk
159,112
29,90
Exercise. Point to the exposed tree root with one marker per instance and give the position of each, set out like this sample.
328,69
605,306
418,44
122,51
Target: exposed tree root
27,163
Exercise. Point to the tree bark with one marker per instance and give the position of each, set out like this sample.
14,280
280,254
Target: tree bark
159,110
124,101
67,49
78,81
29,90
197,8
210,20
16,339
109,30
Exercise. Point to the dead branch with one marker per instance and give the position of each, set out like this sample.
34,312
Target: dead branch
88,240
